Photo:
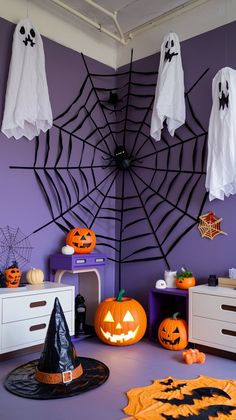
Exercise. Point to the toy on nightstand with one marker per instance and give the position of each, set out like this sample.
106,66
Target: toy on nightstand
193,356
160,284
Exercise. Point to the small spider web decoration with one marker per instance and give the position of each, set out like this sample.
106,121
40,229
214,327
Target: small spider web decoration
209,225
14,246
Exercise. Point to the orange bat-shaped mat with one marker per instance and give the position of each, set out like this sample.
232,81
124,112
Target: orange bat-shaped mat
202,398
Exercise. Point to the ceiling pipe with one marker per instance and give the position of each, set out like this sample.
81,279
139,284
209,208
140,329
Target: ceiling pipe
188,5
91,22
112,15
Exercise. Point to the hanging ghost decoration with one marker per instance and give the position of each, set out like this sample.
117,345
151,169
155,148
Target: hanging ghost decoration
221,161
27,105
169,104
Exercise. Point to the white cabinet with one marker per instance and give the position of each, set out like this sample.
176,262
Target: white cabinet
25,313
212,317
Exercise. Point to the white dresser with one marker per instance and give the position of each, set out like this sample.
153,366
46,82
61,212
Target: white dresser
25,313
212,317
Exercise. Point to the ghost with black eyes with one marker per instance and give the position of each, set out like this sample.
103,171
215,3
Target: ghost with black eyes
221,159
169,104
27,104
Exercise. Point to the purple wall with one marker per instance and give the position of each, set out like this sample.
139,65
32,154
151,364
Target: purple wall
212,50
145,191
23,202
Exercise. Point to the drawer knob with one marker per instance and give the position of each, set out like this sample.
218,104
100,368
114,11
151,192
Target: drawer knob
37,304
229,332
37,327
228,308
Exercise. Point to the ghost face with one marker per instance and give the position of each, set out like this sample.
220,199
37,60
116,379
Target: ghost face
223,94
170,50
26,33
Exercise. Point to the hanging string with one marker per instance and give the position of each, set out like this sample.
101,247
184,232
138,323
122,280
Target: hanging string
27,8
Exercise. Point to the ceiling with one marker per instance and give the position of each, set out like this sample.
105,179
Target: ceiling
122,19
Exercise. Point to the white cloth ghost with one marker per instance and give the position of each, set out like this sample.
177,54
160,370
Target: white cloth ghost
169,102
27,105
221,160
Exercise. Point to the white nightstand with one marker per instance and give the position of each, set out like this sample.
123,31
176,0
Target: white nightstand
212,317
25,313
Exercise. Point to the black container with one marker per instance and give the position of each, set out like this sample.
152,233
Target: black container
212,280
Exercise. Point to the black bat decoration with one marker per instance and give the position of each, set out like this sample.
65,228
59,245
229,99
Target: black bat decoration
197,394
204,413
168,382
174,388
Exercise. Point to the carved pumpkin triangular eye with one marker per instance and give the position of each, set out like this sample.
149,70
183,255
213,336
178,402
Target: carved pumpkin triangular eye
128,317
176,330
109,317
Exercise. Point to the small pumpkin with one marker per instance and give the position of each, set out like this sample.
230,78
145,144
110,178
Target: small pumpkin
193,356
185,279
35,276
83,240
120,321
12,275
185,282
173,333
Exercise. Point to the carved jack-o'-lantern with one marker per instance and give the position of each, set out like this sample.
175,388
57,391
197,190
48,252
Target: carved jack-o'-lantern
12,276
83,240
173,333
120,321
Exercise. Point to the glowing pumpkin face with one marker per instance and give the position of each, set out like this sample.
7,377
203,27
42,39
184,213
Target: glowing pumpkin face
83,240
173,333
12,276
120,321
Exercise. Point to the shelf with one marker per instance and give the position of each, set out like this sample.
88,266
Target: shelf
163,303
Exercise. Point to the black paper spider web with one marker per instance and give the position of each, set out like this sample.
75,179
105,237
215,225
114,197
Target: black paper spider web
154,194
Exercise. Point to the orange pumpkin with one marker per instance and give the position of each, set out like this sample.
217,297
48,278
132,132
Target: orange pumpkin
12,276
193,356
185,282
173,333
121,321
83,240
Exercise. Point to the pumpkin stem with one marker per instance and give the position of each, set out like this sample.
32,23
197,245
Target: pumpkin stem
175,316
120,295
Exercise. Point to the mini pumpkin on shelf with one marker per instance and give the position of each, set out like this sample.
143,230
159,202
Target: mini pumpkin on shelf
185,279
35,276
83,240
13,275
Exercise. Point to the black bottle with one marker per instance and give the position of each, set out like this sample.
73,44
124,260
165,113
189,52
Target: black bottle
80,315
212,280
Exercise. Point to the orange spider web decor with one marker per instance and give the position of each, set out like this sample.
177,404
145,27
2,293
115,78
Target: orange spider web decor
209,225
202,398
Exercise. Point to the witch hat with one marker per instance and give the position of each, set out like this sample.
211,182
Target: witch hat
59,372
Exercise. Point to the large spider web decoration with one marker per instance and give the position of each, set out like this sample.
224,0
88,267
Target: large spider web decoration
14,246
108,168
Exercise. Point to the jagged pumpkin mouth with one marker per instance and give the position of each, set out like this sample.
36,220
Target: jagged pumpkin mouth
170,342
87,245
116,338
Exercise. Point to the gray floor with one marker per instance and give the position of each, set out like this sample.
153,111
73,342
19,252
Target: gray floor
130,367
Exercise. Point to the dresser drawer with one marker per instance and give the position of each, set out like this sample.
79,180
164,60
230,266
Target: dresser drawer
213,333
28,332
36,305
216,307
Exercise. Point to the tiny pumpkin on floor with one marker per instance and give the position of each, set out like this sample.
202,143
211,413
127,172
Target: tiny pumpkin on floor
193,356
